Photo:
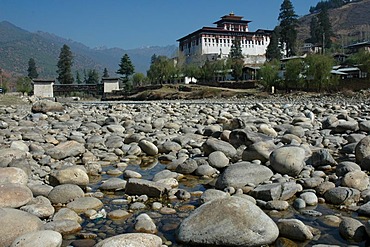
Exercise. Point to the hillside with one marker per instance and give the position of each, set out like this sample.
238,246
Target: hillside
18,45
351,22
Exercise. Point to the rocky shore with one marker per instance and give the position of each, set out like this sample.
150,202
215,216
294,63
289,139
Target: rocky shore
251,172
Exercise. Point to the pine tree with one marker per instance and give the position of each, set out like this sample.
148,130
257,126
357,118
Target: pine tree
126,68
288,24
325,28
65,66
273,51
314,30
92,77
32,71
105,73
78,78
236,50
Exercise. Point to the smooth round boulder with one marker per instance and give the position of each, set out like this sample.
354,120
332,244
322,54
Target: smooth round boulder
362,149
72,175
66,149
352,229
357,179
83,204
39,206
148,147
14,195
132,240
218,159
44,106
145,224
294,229
240,174
342,195
15,223
9,154
231,221
288,160
65,193
13,175
44,238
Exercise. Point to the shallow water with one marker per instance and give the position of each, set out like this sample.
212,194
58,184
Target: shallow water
167,224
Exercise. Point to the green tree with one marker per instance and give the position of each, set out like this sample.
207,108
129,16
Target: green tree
318,68
314,30
65,66
126,68
270,74
105,73
237,68
24,84
162,70
360,59
78,78
273,50
191,71
32,71
321,29
293,73
236,50
207,71
288,25
92,77
138,79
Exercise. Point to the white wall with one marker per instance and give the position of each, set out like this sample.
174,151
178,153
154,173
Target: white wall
43,90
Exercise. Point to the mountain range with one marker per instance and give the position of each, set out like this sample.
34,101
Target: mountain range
17,46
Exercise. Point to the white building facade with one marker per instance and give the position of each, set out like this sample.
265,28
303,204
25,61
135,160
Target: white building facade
43,88
215,43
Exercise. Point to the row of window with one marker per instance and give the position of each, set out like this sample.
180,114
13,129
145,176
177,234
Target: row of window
228,45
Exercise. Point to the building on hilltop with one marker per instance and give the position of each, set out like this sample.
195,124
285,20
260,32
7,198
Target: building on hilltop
213,43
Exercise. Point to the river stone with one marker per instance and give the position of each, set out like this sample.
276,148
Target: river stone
246,137
114,142
67,214
13,175
294,229
39,206
148,147
232,221
118,214
66,149
259,151
321,157
352,229
267,130
357,179
310,198
212,194
132,240
136,186
288,160
113,184
364,209
14,195
8,154
342,195
145,224
72,175
65,193
40,189
169,146
345,167
362,149
44,238
83,204
218,159
21,145
212,145
44,106
64,227
187,167
240,174
15,223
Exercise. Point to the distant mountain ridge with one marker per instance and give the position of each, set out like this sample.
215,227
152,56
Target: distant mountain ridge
17,46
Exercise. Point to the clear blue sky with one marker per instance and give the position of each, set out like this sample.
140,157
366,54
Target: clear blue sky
132,24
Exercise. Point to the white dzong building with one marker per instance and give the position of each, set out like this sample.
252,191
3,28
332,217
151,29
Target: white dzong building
215,43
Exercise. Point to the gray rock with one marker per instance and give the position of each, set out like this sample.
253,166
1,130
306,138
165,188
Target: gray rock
9,154
299,203
82,204
132,240
64,227
362,149
66,149
364,209
240,174
294,229
45,106
212,145
169,146
13,175
39,206
67,214
205,170
345,167
136,186
288,160
65,193
212,194
342,195
310,198
352,229
218,160
364,126
15,223
242,224
113,184
72,175
277,205
187,167
44,238
259,151
14,195
148,147
114,141
145,224
321,157
357,179
246,137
